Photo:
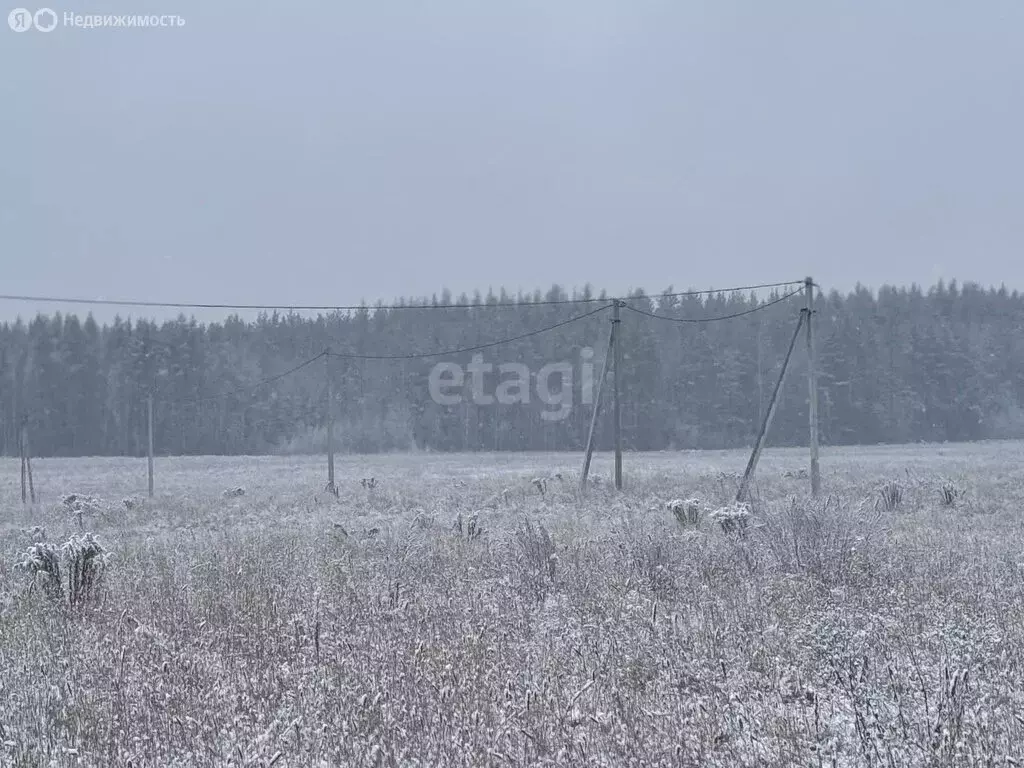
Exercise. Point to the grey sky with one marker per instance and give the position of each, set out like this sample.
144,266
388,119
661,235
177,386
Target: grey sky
329,152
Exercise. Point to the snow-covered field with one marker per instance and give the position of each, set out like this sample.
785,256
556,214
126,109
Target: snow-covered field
453,612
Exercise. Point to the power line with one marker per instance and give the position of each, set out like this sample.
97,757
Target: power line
283,307
461,350
714,319
251,388
355,308
709,291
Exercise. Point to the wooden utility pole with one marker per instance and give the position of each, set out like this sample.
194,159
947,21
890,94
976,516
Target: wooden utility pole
812,383
21,446
766,425
597,409
26,465
615,389
331,487
31,485
149,451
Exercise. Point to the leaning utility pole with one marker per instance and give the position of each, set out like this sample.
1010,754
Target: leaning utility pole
762,436
26,464
597,409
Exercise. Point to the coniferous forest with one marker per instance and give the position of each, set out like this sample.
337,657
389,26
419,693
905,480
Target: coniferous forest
897,365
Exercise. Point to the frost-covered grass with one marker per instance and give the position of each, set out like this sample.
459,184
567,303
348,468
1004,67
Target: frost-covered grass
285,627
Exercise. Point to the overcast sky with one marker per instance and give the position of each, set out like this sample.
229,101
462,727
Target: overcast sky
329,152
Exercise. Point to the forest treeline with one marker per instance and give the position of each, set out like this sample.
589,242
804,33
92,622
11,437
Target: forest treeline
897,365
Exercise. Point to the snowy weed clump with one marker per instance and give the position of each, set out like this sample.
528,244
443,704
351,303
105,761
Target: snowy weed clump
732,519
686,511
77,502
469,529
87,562
950,493
82,558
422,520
42,562
79,506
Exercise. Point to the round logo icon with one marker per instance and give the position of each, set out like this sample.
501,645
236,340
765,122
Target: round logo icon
20,19
45,20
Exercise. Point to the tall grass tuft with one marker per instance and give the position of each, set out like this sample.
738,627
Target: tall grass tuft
890,496
950,493
538,558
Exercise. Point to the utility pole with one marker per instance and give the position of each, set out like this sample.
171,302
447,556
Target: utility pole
331,487
22,438
617,336
597,409
26,464
812,383
766,425
149,451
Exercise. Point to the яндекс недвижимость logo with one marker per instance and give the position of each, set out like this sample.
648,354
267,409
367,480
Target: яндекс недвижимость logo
46,20
22,20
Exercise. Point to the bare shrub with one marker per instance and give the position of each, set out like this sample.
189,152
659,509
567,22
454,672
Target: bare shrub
825,539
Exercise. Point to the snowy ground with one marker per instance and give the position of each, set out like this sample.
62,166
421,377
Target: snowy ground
453,614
